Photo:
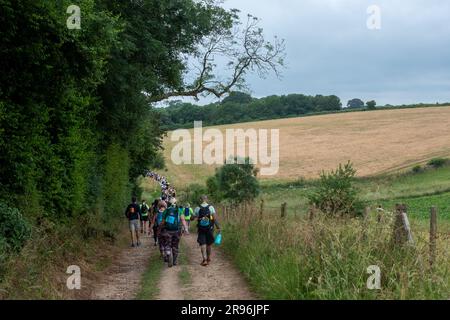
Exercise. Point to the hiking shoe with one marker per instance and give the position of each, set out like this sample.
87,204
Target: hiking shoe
132,245
204,263
139,244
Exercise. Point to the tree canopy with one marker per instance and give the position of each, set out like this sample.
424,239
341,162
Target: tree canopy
240,107
355,103
234,182
371,105
77,126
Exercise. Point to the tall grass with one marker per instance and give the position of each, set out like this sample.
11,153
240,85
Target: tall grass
429,187
39,270
327,258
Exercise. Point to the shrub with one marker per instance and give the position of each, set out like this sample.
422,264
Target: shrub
14,229
417,168
235,182
438,162
335,193
192,194
116,185
371,105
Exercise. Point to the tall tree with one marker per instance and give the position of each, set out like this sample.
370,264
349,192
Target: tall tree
355,103
371,105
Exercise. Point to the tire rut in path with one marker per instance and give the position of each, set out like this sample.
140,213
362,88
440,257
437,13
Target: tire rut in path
122,280
218,281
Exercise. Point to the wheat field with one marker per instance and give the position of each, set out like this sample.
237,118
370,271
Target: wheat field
376,142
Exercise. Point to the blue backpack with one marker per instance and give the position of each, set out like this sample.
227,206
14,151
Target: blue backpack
159,217
172,219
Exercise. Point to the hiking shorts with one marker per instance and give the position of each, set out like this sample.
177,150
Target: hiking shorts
144,218
205,237
134,225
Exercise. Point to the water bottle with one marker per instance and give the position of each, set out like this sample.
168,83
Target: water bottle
218,239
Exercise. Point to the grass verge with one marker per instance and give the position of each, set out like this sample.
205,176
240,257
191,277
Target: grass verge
149,284
297,259
39,270
184,274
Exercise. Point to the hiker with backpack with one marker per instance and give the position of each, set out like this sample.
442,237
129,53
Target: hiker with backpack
144,208
188,214
206,222
156,225
171,231
133,214
153,211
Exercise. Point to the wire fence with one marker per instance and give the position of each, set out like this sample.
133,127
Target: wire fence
393,226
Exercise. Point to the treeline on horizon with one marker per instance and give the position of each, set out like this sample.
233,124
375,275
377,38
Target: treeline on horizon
241,107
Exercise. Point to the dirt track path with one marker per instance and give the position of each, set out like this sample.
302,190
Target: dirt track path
123,279
218,281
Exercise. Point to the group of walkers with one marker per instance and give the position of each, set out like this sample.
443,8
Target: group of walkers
168,222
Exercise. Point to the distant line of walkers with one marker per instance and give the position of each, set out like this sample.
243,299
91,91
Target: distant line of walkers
168,222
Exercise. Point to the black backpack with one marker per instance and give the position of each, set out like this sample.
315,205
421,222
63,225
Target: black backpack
205,219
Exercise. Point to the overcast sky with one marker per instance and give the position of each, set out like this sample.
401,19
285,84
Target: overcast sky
330,50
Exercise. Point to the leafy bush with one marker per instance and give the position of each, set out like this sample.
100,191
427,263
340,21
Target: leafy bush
438,162
192,194
14,229
336,194
235,182
371,105
116,185
417,168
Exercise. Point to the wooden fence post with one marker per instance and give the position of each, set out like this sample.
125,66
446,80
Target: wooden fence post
365,221
380,214
312,212
402,229
283,210
261,209
433,232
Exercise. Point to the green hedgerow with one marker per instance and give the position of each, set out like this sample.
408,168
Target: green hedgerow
14,229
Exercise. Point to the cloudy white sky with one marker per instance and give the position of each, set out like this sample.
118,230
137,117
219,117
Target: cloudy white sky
330,50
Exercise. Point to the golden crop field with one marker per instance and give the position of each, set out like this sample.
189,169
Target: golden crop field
376,142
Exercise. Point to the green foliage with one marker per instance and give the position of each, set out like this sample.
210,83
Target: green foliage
417,168
234,182
336,194
192,194
438,162
14,229
116,186
76,129
419,207
371,105
237,97
239,107
355,104
328,259
84,94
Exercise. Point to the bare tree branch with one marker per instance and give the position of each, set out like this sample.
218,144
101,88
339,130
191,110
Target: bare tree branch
245,50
